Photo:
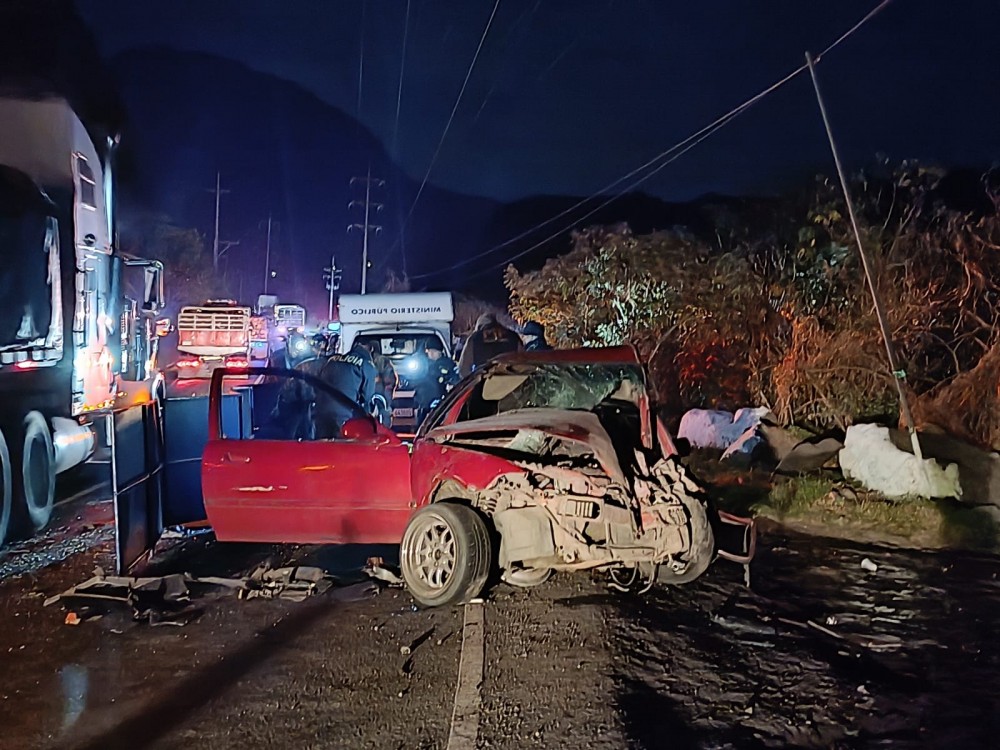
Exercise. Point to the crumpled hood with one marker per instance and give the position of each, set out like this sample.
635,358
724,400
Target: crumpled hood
581,427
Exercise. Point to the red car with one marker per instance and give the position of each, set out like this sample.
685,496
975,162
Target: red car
536,462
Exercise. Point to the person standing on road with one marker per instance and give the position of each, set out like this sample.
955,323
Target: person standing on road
533,334
352,374
439,374
490,339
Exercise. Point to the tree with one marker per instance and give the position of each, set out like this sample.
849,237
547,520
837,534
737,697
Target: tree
782,316
189,275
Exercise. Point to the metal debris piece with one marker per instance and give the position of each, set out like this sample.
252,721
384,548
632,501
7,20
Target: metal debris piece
166,600
376,568
294,583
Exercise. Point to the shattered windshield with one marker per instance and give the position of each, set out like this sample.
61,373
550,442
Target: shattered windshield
553,386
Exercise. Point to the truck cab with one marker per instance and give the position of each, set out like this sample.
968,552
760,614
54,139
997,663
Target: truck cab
71,338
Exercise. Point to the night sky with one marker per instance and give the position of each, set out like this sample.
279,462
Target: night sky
569,95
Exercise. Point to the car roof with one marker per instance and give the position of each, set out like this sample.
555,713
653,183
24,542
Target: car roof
624,355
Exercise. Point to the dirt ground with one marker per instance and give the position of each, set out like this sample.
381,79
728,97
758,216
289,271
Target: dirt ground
818,652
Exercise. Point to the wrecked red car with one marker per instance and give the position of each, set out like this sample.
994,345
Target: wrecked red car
537,462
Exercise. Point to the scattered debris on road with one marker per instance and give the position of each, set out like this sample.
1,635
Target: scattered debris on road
376,568
294,583
166,600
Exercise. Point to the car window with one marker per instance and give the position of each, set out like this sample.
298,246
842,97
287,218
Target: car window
554,386
293,405
398,345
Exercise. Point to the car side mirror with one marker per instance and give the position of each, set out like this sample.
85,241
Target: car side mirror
153,288
359,428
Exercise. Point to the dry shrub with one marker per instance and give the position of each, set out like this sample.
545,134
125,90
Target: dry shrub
968,405
785,319
830,377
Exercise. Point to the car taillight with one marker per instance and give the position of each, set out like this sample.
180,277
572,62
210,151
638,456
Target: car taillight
189,362
239,361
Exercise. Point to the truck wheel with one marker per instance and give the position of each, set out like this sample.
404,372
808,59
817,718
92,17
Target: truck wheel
38,470
6,491
445,555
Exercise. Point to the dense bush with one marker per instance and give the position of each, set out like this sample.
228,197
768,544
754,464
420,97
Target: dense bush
783,317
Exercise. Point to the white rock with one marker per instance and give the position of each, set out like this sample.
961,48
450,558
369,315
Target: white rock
870,458
868,565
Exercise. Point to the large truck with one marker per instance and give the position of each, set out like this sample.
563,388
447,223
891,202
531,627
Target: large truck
397,326
77,338
215,334
289,318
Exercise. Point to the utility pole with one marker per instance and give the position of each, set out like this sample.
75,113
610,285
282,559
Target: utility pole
883,322
332,277
215,243
267,255
367,225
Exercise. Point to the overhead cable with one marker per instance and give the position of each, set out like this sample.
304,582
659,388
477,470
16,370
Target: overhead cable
451,117
667,157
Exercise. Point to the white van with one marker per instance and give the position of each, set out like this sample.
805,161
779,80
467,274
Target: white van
397,326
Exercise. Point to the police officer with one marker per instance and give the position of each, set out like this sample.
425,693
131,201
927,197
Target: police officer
293,415
439,373
490,339
352,374
533,334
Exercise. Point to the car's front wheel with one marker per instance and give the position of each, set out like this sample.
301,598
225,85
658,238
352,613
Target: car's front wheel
445,555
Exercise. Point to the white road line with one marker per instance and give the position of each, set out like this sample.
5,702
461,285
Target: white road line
465,717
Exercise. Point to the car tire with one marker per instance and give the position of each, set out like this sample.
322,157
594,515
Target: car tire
526,578
445,554
697,559
6,490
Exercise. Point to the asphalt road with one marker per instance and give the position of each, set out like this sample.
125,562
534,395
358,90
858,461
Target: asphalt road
819,651
82,518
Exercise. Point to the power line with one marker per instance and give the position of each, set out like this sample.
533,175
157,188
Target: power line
451,117
402,69
395,128
674,153
361,64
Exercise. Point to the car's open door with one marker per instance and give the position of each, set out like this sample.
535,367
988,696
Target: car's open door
289,483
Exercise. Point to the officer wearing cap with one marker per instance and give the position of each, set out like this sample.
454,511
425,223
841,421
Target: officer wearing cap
440,373
533,335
